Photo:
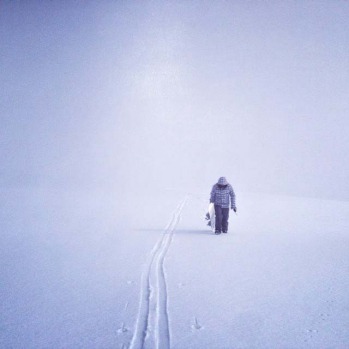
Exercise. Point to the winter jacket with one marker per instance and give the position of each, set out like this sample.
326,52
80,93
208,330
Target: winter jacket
221,193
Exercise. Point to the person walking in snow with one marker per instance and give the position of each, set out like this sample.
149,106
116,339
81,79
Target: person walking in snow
222,196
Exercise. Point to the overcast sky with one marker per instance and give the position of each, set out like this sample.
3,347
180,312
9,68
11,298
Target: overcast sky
176,94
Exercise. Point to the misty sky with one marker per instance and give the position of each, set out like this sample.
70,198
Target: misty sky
176,94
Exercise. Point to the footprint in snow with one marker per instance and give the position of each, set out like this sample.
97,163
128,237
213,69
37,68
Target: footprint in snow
196,325
324,316
122,329
312,331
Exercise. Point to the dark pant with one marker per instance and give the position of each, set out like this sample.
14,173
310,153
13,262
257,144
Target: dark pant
222,216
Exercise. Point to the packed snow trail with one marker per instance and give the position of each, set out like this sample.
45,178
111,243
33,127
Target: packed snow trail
152,324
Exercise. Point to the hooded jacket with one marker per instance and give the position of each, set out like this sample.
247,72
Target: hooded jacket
222,194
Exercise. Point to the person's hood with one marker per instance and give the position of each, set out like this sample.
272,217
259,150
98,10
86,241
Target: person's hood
222,181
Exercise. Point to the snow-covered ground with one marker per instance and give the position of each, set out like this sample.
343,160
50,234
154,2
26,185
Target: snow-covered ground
87,269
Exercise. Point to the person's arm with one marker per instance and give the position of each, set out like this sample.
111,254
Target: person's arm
232,199
213,194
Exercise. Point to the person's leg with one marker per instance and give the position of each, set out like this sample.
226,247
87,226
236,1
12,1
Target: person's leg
225,218
218,210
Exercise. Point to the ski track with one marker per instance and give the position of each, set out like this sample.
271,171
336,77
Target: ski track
152,324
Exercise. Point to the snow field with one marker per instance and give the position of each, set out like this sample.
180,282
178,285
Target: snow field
93,270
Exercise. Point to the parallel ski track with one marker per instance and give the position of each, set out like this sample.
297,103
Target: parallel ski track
152,323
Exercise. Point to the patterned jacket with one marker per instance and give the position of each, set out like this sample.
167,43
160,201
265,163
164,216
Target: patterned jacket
220,196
